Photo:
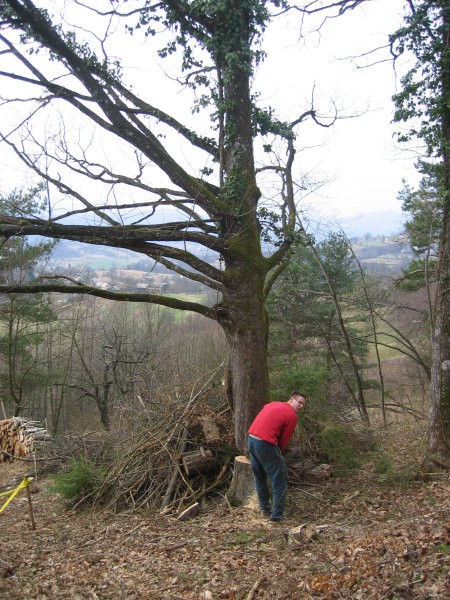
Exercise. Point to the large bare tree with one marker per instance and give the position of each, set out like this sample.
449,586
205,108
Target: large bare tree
65,61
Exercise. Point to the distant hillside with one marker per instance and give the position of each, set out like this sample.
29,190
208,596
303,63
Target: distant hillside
384,222
383,254
79,256
376,240
67,251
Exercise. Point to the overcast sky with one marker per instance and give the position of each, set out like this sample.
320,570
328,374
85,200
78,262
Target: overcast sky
361,157
358,157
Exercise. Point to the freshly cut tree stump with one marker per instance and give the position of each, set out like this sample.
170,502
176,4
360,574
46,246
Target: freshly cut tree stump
242,486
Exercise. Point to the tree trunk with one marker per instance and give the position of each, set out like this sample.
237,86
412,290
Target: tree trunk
439,420
439,423
250,380
102,400
246,333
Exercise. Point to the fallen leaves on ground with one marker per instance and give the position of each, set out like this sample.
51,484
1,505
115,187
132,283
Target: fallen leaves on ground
371,541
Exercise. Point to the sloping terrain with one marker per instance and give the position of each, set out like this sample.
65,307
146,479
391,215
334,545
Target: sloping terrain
374,540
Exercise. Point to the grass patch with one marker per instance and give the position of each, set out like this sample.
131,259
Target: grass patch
400,476
441,549
241,538
181,315
199,298
382,463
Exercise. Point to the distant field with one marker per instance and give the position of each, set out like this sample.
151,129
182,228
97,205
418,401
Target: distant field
385,353
200,298
95,263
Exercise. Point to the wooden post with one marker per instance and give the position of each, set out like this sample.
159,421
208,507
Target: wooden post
30,506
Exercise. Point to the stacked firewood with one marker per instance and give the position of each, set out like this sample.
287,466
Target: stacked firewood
17,436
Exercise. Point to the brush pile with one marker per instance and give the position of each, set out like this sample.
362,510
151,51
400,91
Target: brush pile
17,437
175,456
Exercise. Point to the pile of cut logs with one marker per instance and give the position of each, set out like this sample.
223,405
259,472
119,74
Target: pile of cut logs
17,436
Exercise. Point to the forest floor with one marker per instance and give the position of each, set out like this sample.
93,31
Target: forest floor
373,540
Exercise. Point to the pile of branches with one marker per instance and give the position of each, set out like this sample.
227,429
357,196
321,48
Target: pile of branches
177,454
96,446
17,438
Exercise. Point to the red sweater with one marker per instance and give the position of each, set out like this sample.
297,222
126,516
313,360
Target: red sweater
275,424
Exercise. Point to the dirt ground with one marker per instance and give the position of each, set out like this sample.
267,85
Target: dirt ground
365,539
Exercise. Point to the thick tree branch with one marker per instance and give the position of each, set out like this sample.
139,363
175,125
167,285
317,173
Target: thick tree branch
116,235
275,272
288,218
170,302
140,137
145,108
135,238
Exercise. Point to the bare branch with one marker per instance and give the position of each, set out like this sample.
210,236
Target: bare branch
190,275
145,108
317,6
168,301
136,134
64,188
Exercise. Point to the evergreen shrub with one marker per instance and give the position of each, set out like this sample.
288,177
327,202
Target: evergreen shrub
338,443
312,379
77,483
383,464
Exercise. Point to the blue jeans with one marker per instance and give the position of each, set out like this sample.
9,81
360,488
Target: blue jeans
268,462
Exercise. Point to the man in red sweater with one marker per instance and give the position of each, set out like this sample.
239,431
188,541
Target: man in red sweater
268,437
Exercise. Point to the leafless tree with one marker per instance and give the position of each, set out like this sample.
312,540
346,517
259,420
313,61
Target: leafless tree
224,209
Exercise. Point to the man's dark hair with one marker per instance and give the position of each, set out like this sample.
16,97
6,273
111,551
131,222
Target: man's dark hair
299,393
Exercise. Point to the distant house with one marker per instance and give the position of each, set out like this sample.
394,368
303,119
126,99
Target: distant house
141,287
